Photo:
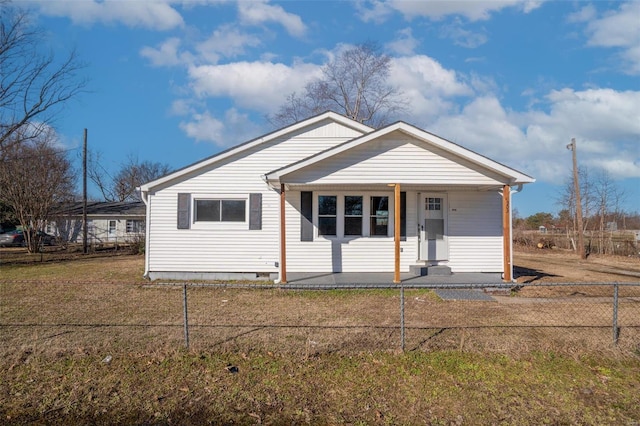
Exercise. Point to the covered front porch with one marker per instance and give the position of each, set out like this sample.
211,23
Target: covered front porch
404,253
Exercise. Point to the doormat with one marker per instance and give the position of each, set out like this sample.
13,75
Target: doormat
463,294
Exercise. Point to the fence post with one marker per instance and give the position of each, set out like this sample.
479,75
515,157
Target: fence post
186,317
616,331
402,316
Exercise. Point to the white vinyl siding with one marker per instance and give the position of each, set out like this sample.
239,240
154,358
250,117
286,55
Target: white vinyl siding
474,217
393,160
348,254
228,248
475,231
98,230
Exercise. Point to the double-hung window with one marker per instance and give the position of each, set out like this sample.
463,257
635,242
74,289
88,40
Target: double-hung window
219,210
352,215
327,215
379,216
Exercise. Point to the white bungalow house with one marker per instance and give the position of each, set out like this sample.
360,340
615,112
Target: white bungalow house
107,222
329,194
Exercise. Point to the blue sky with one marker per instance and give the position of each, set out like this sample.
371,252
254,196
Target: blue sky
177,81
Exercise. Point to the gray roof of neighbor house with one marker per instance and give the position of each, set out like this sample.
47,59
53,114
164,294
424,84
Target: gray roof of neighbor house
104,208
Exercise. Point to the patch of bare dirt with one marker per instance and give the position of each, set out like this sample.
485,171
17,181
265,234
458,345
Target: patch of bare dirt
539,269
548,266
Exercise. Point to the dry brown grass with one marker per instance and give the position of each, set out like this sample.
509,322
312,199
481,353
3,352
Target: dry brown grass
314,357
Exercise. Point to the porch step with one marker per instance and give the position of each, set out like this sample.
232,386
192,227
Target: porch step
437,270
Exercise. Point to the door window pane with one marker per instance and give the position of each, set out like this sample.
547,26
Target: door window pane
327,210
352,215
380,216
434,204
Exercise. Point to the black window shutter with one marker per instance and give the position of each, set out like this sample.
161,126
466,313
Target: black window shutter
403,214
184,216
255,212
306,217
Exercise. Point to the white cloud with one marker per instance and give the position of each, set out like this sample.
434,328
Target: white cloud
166,54
405,44
427,86
585,14
461,36
155,15
226,41
204,127
603,121
260,86
619,29
473,10
373,10
181,107
234,128
259,11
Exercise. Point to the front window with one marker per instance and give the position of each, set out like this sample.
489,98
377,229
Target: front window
352,215
327,214
220,210
379,216
135,226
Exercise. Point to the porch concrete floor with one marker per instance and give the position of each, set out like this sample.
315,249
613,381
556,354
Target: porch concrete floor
385,280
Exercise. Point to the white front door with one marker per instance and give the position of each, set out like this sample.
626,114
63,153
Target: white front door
434,246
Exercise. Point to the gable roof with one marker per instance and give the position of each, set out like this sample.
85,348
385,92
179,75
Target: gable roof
515,176
330,115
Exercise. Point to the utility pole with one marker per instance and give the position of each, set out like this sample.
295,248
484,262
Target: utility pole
84,194
576,186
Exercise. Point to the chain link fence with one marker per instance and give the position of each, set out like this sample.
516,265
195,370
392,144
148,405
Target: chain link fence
567,317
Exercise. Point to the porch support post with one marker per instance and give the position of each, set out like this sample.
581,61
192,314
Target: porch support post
283,244
506,232
396,233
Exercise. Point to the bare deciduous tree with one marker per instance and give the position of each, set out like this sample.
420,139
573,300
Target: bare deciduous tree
33,85
353,84
601,201
132,174
608,199
36,178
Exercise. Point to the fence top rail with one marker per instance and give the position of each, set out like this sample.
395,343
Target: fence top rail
373,286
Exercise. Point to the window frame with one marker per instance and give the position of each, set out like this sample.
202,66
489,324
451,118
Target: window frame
340,209
345,215
375,216
328,216
137,226
220,224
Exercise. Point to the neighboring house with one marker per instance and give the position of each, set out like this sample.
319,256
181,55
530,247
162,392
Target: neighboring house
319,196
107,222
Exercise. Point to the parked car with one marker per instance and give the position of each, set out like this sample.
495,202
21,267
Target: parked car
16,238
